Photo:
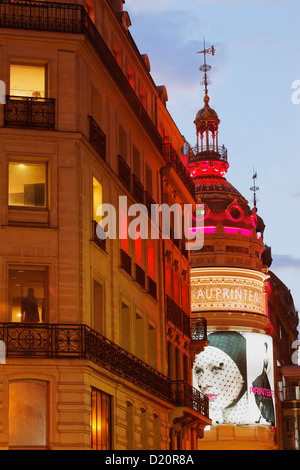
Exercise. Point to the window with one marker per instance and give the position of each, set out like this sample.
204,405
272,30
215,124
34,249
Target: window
27,299
117,54
125,338
152,346
97,199
98,307
136,162
28,80
122,143
28,413
27,184
139,337
90,9
130,76
101,420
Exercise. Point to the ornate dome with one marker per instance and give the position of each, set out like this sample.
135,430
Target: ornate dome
206,118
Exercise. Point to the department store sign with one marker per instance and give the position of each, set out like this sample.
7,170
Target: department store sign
229,294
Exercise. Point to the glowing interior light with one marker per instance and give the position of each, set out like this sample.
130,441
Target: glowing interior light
229,230
237,230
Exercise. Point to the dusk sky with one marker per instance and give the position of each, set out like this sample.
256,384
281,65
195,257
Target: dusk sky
257,60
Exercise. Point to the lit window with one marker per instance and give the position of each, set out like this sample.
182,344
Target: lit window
27,301
97,199
28,413
28,80
27,184
101,420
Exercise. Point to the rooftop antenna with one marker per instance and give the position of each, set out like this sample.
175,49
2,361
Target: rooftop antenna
254,188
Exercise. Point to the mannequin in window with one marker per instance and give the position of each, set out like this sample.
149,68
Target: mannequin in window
29,307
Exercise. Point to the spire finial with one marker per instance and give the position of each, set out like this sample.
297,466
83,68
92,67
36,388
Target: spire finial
206,68
254,188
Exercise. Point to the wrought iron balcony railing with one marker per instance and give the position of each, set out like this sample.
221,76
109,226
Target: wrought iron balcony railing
54,341
28,112
137,189
172,159
183,394
124,173
177,316
152,288
101,242
97,138
125,262
139,275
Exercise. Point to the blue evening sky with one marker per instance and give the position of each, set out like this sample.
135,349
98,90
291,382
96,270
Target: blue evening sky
257,59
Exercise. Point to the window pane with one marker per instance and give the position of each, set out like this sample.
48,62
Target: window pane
97,199
27,80
27,184
101,420
27,295
27,413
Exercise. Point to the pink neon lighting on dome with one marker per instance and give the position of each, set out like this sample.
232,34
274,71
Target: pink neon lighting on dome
229,230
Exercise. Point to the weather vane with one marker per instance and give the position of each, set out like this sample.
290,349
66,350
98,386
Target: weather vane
205,67
254,188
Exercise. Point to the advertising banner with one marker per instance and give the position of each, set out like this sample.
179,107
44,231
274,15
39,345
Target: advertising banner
228,294
235,371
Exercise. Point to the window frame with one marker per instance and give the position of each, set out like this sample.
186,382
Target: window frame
29,161
31,63
30,267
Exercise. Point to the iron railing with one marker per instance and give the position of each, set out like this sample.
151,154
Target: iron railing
29,112
152,288
97,138
183,394
199,329
55,341
172,159
137,189
125,262
209,152
139,275
101,242
124,173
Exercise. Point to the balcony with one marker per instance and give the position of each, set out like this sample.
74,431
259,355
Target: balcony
177,316
97,138
125,262
152,288
137,190
183,394
124,173
139,276
73,341
71,18
28,112
173,160
99,241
